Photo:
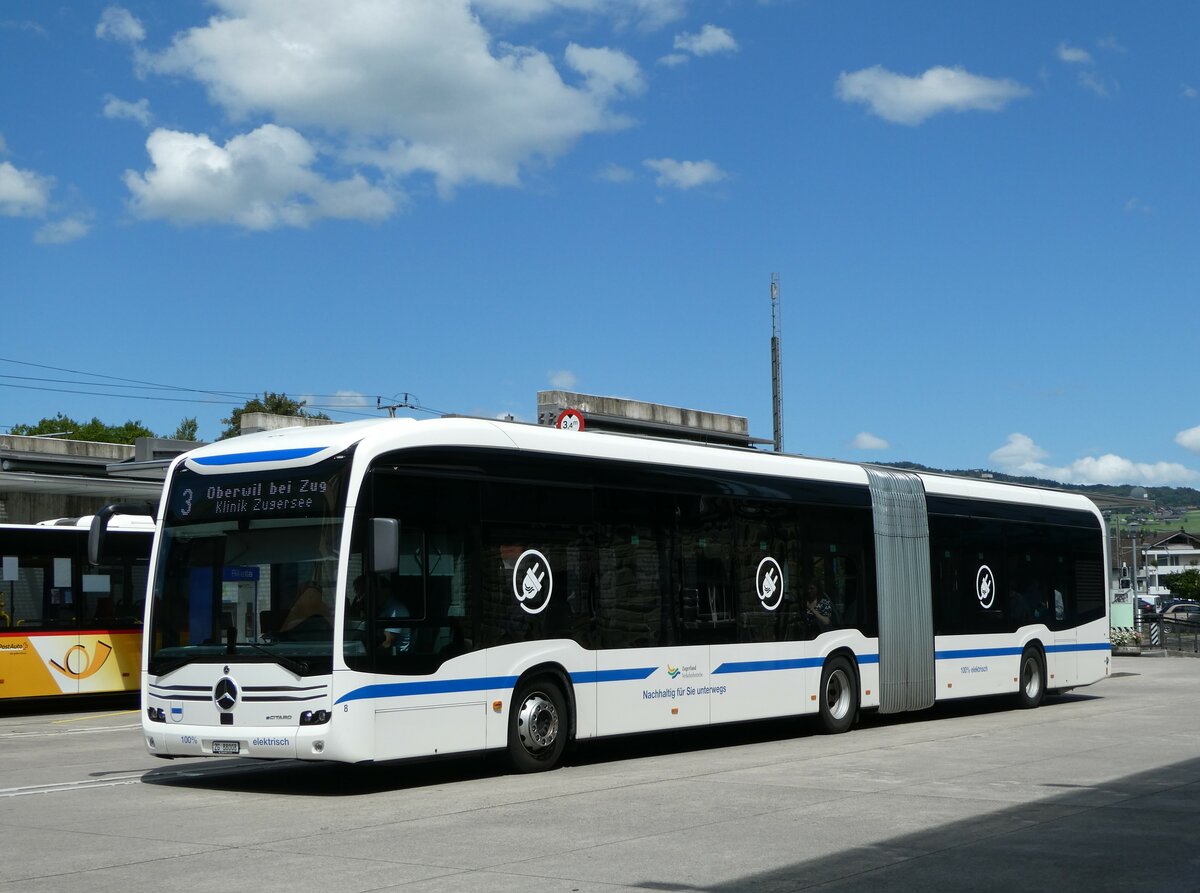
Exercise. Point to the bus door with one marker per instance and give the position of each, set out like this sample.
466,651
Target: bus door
108,654
49,658
1064,667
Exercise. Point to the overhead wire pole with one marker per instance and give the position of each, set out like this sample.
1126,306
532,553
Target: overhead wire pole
776,364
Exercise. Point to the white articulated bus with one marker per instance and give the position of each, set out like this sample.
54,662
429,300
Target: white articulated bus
399,589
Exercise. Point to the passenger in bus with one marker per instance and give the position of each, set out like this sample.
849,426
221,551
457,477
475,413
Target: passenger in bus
357,609
1029,603
818,609
309,611
395,638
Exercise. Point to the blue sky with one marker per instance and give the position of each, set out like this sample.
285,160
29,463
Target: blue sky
984,216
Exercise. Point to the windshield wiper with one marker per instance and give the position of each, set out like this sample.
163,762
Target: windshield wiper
162,666
299,667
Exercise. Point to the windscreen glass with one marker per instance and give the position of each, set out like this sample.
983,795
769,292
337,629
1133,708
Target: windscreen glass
248,568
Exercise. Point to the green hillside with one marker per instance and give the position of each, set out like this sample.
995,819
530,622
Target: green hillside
1173,499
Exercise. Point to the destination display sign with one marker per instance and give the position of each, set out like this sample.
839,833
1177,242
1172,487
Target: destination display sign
292,493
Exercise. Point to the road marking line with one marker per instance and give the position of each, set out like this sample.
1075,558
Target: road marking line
96,716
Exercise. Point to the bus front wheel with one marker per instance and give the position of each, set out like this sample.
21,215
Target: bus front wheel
838,696
537,726
1032,678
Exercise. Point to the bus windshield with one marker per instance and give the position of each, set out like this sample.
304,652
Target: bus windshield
247,568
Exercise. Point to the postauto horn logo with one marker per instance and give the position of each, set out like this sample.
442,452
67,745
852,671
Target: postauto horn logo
78,665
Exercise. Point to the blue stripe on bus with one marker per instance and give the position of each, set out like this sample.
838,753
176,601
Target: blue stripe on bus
435,687
1013,652
629,675
800,663
481,683
1081,646
261,456
633,674
976,652
764,666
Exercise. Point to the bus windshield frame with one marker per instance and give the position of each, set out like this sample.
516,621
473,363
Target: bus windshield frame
247,568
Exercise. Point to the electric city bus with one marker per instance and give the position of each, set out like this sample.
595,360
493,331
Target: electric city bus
66,627
397,589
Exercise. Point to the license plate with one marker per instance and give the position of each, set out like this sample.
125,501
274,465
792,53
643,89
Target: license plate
226,747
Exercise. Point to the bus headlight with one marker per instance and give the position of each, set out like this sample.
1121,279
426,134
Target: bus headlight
314,717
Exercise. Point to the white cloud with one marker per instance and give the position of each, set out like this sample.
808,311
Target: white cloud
23,193
1073,55
119,109
614,173
684,174
645,15
117,23
865,440
1188,91
1019,452
26,25
1136,205
911,100
59,232
258,181
563,379
1021,456
1089,80
709,41
671,60
1189,439
412,88
607,72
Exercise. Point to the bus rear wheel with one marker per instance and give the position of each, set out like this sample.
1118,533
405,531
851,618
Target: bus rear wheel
537,726
838,696
1031,678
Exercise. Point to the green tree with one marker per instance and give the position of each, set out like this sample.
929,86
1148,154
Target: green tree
276,404
1185,584
95,430
187,430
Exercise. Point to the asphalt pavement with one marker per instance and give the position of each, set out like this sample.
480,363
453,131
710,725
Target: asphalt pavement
1096,790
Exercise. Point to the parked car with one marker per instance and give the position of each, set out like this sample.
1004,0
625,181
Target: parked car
1185,612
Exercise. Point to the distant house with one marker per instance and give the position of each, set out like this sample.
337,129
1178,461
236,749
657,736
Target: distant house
1168,555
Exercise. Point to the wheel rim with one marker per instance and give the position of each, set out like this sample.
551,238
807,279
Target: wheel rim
537,723
1031,677
837,694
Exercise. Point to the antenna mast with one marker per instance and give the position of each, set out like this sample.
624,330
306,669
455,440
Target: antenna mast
776,363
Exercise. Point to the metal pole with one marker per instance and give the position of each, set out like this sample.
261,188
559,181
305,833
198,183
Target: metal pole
1137,602
776,364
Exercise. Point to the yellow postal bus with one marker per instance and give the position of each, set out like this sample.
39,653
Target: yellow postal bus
68,627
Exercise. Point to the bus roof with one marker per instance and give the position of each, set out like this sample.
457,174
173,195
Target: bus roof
299,447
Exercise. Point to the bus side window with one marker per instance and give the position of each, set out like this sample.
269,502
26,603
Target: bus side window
704,533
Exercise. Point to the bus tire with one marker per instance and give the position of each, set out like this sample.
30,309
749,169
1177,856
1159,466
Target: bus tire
537,726
1031,678
838,697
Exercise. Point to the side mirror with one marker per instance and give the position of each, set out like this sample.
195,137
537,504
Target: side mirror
99,527
385,545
